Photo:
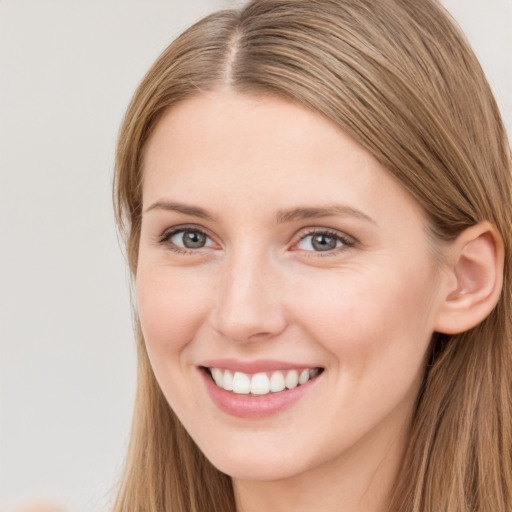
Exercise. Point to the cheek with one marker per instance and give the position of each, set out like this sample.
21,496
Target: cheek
377,332
171,308
172,305
371,318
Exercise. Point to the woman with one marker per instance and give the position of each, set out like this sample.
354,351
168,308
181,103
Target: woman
316,202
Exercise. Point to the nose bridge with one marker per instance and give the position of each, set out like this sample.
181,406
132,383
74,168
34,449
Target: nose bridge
248,306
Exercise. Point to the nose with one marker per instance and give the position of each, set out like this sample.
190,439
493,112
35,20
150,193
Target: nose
248,306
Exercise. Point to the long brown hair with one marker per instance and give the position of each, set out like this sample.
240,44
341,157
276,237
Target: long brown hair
398,76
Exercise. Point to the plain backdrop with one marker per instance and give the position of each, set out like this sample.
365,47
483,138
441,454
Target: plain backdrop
67,361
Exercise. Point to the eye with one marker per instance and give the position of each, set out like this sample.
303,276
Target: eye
324,241
186,238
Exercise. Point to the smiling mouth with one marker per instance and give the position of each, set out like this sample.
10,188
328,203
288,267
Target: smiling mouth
262,383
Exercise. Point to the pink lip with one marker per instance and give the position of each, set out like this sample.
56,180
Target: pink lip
250,367
254,407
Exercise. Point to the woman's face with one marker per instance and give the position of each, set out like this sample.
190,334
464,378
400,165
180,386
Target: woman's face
275,248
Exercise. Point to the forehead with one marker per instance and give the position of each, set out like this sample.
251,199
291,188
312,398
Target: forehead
224,146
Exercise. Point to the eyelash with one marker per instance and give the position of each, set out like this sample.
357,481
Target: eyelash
346,240
165,238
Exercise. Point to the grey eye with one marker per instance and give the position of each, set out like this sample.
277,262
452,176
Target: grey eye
190,239
320,242
323,242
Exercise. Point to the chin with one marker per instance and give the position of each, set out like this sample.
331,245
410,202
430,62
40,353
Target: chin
255,466
256,472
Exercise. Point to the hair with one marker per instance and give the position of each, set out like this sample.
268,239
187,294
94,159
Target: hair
399,77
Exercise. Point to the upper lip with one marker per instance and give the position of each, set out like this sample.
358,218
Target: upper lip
255,366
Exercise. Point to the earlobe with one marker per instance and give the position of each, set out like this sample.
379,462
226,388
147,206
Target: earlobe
473,281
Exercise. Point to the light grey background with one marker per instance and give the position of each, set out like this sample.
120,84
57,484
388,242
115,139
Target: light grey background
67,367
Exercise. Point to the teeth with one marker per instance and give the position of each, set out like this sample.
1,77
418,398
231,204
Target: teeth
227,382
304,376
314,372
218,377
261,383
241,383
277,382
292,379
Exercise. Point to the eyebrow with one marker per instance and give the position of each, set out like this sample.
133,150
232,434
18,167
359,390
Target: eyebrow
281,217
170,206
303,213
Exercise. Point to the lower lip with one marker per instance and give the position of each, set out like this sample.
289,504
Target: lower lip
254,407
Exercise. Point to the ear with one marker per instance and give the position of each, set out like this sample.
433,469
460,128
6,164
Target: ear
472,280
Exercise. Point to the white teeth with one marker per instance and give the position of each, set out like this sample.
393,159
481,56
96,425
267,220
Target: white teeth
241,383
304,376
292,379
261,383
277,382
227,383
218,377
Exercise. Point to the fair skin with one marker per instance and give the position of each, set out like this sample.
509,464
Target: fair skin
269,237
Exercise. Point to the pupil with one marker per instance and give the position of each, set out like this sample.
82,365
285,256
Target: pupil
193,239
323,242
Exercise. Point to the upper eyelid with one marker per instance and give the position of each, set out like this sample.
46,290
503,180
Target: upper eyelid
303,231
328,231
184,227
313,231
